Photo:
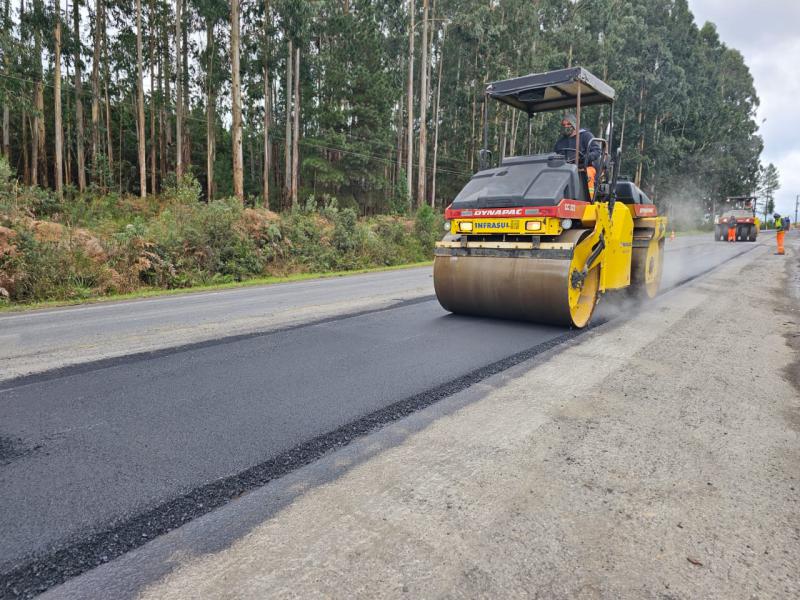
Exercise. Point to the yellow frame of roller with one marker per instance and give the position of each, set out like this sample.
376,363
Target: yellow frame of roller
513,263
632,258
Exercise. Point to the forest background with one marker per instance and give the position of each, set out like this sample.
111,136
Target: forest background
168,144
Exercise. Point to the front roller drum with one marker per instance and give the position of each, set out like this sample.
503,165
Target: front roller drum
552,291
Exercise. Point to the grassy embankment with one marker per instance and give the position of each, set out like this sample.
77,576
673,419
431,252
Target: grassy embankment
101,246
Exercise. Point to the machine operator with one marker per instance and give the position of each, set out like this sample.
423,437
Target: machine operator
565,145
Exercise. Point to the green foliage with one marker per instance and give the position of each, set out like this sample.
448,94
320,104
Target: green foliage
6,175
60,269
182,190
36,201
428,226
769,183
109,244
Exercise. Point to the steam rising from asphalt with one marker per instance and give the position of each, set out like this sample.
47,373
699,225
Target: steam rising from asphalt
685,257
684,205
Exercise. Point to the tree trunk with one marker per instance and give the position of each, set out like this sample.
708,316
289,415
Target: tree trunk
472,138
98,8
26,165
288,149
153,148
400,132
6,137
162,119
267,107
504,137
106,77
251,158
178,93
67,141
186,161
640,121
236,95
410,105
296,128
210,105
436,120
423,111
38,130
79,142
40,153
167,98
6,149
119,138
622,138
58,159
140,125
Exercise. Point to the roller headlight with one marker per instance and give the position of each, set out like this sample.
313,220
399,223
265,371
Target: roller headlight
533,226
566,223
447,225
465,226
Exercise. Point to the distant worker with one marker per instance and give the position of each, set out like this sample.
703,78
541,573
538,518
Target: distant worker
780,232
589,151
731,229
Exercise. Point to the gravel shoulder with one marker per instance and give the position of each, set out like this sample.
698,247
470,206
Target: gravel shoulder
655,457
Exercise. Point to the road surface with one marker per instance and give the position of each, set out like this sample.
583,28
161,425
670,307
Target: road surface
98,457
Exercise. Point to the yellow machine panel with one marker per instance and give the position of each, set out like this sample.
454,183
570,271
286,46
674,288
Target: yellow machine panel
615,271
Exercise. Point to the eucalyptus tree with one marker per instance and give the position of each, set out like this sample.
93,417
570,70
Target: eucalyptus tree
212,13
236,108
78,86
58,158
140,124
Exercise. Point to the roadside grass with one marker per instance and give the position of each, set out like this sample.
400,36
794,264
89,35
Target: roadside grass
157,292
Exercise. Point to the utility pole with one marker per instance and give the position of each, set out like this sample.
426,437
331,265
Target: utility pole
796,203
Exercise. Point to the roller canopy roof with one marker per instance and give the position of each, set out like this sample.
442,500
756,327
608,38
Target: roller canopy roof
553,90
522,181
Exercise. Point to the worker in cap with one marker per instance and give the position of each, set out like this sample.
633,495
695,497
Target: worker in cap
780,232
589,151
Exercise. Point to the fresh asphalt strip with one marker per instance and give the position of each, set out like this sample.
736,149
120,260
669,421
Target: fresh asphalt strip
44,571
116,361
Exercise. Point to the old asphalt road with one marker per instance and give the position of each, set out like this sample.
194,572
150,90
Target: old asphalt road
99,457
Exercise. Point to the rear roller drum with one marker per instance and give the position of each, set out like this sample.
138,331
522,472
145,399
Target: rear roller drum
647,265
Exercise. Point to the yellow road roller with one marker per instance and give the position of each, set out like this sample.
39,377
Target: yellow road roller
541,237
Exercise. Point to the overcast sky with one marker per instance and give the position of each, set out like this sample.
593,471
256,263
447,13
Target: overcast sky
767,33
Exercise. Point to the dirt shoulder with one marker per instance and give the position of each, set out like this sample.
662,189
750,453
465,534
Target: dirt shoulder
658,457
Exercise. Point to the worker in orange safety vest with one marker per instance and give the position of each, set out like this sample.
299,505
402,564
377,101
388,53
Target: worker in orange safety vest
780,232
731,229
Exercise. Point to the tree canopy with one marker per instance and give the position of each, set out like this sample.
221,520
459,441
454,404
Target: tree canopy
685,112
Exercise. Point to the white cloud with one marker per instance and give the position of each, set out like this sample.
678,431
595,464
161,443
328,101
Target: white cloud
766,34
